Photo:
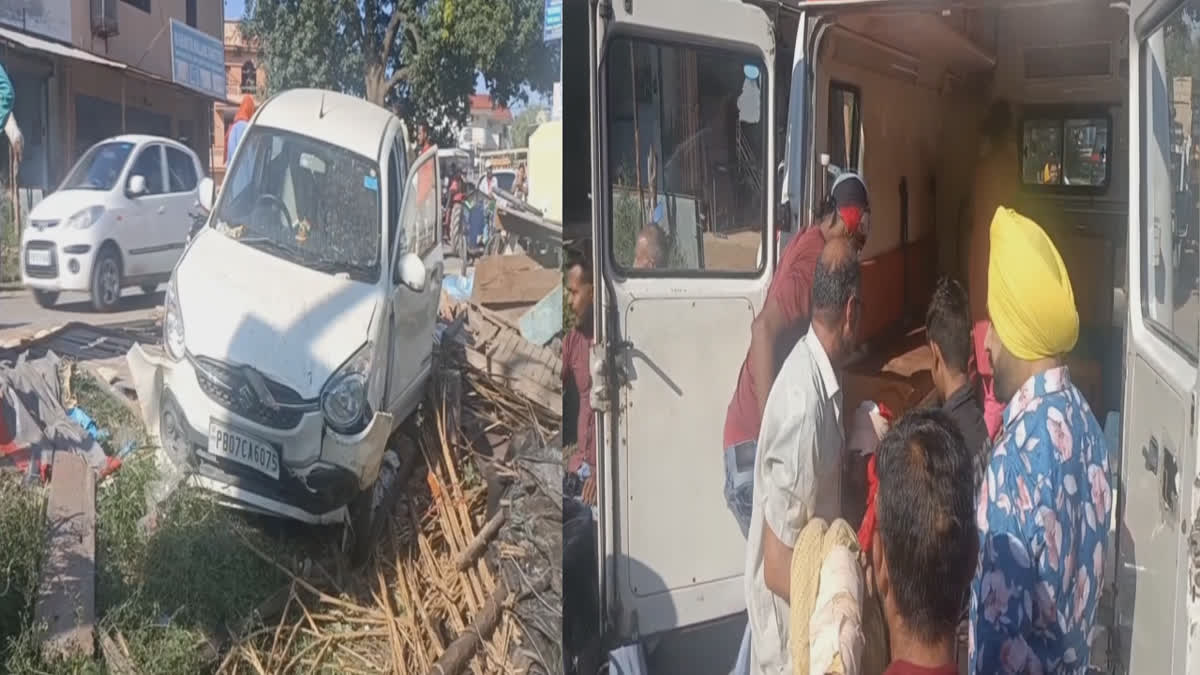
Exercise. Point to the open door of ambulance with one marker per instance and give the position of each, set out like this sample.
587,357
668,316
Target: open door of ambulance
682,125
1156,503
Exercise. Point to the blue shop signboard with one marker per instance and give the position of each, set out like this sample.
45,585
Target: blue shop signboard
197,60
552,24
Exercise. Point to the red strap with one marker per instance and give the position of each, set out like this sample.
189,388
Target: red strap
867,530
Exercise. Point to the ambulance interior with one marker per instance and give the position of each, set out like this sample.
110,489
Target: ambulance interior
909,91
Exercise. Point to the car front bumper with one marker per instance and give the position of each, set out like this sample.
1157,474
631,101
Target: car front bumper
70,267
320,471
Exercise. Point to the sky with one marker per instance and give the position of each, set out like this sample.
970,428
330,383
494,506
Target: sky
235,8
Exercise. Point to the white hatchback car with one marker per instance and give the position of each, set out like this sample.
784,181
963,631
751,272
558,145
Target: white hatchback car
120,219
299,323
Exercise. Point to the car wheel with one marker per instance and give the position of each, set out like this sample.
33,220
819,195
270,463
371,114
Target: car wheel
106,281
45,298
365,522
149,289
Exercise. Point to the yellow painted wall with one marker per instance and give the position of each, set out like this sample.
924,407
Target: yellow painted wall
545,170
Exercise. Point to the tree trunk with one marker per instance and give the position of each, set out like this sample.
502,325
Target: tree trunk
376,82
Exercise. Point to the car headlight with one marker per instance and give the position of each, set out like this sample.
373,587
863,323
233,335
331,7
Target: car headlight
85,218
173,323
344,398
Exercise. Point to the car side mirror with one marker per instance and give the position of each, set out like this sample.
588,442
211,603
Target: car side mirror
410,271
137,185
206,190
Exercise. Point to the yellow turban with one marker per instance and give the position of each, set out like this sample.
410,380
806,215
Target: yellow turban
1029,292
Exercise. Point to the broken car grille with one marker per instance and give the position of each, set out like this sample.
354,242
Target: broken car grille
231,387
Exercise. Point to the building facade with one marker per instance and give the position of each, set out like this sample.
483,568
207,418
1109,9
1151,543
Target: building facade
489,127
85,70
244,76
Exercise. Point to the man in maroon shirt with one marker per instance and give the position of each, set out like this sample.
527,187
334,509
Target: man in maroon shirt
781,323
577,346
925,544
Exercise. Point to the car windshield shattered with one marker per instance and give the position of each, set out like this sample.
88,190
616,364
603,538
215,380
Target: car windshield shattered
305,201
100,167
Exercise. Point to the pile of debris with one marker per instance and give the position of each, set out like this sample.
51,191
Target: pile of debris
467,573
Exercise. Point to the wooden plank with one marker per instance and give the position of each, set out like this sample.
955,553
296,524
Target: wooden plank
507,280
66,602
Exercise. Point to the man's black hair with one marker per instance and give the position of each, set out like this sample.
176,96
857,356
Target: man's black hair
925,518
834,283
581,257
948,323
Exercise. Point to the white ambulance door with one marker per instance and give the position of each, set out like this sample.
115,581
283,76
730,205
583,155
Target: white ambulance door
682,119
1156,504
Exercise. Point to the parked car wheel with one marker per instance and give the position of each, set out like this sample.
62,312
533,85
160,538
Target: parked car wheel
149,289
106,280
45,298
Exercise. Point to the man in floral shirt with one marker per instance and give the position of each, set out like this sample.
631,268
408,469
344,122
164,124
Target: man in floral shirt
1045,505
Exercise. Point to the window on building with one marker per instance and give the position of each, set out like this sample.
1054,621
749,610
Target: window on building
1170,257
181,171
149,166
249,78
143,5
191,13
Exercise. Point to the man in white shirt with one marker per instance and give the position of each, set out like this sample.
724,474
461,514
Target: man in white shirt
797,470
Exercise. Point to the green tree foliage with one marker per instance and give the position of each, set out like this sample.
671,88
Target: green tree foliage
524,124
420,57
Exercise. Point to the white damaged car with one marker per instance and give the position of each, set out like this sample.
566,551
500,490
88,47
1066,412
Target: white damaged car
299,323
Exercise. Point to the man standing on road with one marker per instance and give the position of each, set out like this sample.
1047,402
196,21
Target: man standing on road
1045,505
577,347
777,328
798,467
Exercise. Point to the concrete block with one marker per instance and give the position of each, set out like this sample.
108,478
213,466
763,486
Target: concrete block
66,602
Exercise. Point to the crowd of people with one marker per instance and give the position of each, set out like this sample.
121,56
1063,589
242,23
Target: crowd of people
994,506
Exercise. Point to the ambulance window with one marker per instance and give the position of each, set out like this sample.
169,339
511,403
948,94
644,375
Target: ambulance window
687,151
1170,261
845,126
1066,152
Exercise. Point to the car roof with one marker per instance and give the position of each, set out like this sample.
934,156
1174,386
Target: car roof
345,121
140,139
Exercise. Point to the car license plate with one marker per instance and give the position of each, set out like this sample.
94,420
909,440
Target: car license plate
243,449
37,257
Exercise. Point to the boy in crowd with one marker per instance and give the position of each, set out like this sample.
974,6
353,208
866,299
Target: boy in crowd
925,543
948,328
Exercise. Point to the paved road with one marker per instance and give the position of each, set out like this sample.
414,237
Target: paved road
20,315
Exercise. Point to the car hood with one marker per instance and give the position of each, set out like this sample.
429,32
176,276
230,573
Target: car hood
66,203
244,306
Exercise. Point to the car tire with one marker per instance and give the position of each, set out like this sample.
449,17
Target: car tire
106,280
365,523
149,289
45,299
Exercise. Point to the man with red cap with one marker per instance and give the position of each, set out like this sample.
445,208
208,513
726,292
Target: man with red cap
781,323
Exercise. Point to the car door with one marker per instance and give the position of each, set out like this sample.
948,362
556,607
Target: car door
674,338
182,179
148,242
413,228
1156,501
